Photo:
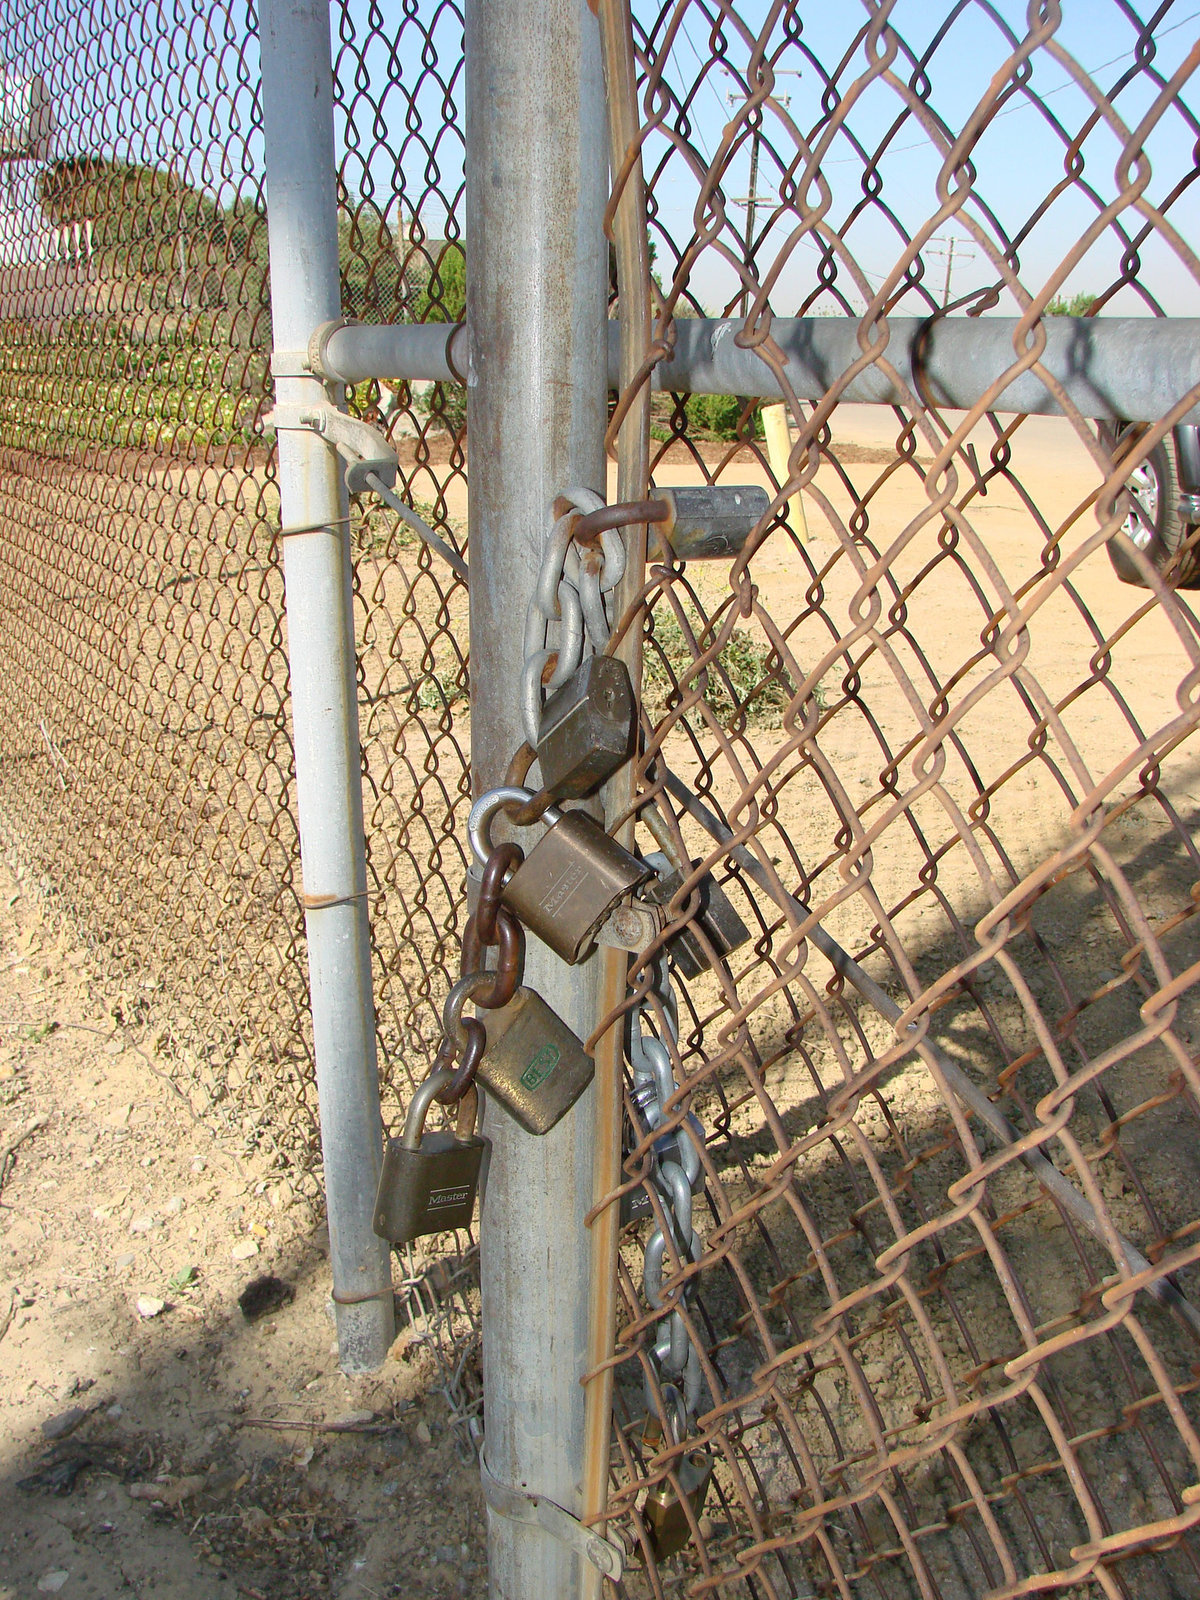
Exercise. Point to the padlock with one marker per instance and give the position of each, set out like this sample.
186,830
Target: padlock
664,1514
533,1064
429,1180
723,928
587,728
568,882
634,1205
707,522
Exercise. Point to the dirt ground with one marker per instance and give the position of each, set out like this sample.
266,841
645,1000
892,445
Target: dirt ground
153,1441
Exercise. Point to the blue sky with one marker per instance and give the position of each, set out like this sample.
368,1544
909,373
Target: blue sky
1018,159
188,79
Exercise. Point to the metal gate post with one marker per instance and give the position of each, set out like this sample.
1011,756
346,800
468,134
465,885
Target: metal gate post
305,291
537,178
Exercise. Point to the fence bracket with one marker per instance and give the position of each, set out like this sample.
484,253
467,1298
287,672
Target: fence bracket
364,449
519,1506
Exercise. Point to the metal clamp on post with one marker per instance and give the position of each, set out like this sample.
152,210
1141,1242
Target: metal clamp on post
519,1506
364,449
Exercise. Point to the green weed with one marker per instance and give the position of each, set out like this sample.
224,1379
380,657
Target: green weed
747,683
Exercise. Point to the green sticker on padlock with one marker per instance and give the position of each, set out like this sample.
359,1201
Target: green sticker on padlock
542,1065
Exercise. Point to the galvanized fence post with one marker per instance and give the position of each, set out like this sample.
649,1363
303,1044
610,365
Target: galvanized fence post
536,187
305,291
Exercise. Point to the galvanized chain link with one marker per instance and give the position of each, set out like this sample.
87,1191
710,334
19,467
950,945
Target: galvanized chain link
570,593
674,1172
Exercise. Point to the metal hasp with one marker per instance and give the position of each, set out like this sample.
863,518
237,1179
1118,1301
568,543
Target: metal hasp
429,1180
1115,369
587,728
534,1065
536,188
297,84
707,522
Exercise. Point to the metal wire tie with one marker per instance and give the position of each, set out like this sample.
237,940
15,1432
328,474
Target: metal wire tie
362,1299
325,902
327,525
518,1505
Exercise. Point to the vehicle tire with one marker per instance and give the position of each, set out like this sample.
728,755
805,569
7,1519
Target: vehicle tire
1154,525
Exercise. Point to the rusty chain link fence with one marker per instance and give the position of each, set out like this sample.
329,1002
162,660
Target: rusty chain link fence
945,1300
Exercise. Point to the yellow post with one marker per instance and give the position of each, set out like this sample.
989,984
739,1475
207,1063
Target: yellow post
779,448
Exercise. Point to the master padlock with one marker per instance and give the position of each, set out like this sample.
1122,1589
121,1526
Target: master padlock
569,881
429,1180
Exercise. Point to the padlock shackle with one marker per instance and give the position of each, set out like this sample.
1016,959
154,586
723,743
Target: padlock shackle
418,1107
479,822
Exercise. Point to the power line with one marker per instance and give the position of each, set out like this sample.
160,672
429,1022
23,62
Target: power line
1025,104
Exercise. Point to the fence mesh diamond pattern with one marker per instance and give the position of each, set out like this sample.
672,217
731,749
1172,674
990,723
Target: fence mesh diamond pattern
944,1297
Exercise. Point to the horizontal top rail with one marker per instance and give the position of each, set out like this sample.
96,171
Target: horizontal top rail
1111,368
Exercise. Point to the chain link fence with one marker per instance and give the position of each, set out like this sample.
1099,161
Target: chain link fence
943,1300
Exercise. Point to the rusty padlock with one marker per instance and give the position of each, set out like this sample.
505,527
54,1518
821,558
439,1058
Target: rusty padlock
569,881
587,728
533,1064
715,916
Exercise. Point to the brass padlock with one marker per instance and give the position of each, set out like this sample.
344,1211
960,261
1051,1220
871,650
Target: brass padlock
534,1065
664,1514
429,1180
587,727
723,928
568,882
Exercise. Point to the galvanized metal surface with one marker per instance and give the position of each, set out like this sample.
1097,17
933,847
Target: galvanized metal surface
298,133
1109,368
535,204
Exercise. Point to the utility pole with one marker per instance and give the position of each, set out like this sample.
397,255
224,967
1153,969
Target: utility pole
750,200
947,248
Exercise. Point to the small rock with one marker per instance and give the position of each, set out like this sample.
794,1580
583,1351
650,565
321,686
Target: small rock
199,1164
170,1493
351,1419
174,1205
115,1411
51,1582
244,1249
125,1260
64,1423
141,1224
149,1306
422,1432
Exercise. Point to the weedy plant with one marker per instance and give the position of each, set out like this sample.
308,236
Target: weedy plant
746,683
